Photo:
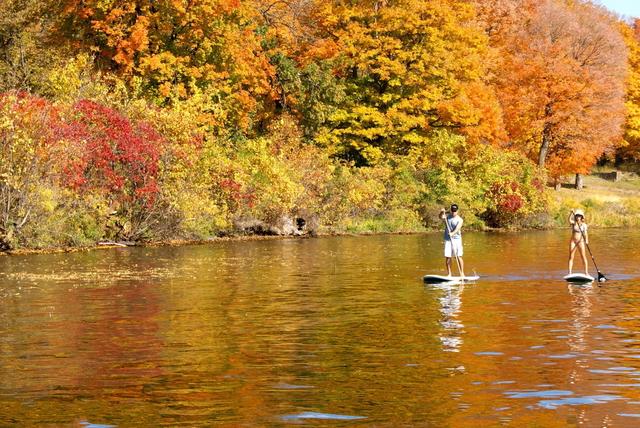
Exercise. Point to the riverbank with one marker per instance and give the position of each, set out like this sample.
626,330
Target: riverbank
170,243
606,203
187,242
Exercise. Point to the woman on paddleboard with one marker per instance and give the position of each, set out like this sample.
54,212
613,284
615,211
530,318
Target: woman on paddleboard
579,237
453,240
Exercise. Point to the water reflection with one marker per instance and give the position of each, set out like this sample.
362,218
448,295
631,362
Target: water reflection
450,307
322,331
580,325
581,314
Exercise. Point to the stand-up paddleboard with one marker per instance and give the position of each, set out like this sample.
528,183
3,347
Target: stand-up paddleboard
439,279
579,278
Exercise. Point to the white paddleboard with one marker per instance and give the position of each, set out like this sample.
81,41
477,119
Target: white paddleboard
579,277
439,279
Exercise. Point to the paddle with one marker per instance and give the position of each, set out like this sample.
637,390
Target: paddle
601,277
453,248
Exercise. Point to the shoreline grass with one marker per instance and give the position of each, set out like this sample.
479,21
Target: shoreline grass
606,203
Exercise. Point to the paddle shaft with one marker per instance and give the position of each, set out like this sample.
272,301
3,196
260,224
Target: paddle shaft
600,274
453,249
590,253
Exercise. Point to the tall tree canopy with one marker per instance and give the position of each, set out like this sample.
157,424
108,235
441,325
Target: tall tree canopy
560,82
631,148
175,47
409,67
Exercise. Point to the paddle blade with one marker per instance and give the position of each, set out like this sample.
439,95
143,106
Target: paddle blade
601,277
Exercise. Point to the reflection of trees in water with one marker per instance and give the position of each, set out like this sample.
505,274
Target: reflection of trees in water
93,346
580,315
450,307
579,375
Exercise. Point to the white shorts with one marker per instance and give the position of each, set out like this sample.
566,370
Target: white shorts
457,248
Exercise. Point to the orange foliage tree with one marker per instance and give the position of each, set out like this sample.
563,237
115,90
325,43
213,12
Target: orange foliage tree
560,80
631,149
178,47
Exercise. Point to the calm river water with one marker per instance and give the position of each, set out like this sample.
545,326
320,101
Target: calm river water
336,331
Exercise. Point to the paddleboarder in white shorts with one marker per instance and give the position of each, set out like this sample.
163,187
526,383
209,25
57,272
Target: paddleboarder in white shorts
453,242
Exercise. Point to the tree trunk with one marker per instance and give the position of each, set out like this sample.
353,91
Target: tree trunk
579,184
546,137
544,149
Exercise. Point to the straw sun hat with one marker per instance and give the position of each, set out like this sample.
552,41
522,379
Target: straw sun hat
578,212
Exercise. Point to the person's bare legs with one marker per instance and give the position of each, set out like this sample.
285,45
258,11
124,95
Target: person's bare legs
456,248
572,252
461,267
447,261
583,253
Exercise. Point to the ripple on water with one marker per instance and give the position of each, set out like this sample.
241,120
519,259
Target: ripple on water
620,385
290,386
577,401
91,425
323,416
489,353
556,402
529,394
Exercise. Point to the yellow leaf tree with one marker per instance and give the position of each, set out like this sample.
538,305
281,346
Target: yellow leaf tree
631,148
409,67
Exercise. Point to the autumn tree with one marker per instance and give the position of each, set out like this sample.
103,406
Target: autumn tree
631,148
409,67
177,48
560,82
25,51
29,145
119,159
